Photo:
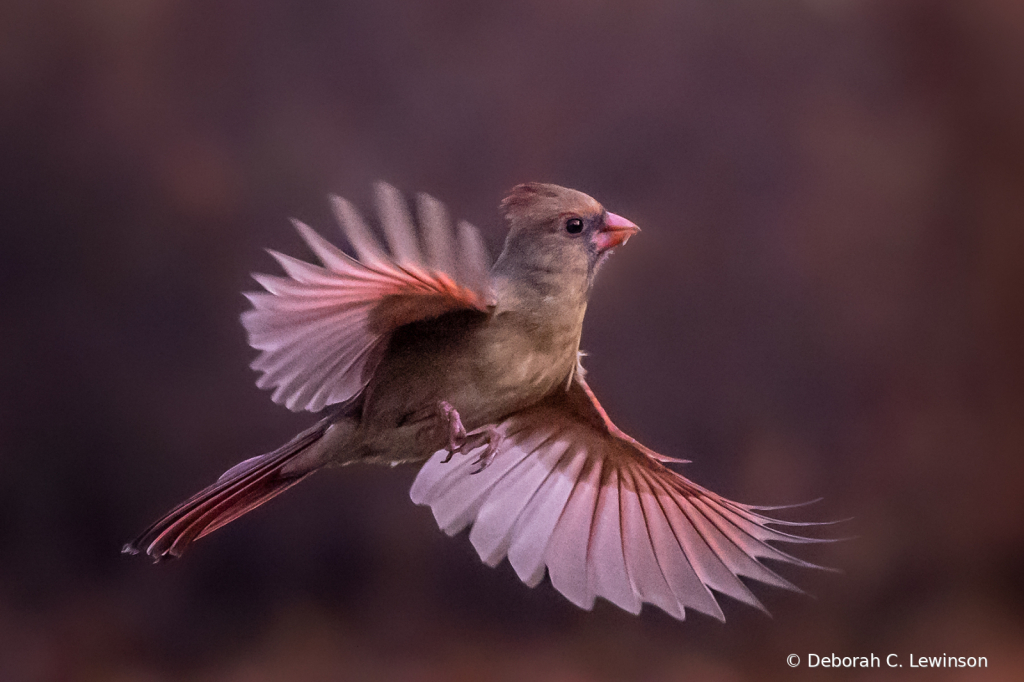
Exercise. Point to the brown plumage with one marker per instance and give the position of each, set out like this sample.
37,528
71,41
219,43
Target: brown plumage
426,353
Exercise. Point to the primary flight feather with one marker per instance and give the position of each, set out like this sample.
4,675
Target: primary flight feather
423,352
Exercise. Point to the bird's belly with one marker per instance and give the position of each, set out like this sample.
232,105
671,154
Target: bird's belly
485,376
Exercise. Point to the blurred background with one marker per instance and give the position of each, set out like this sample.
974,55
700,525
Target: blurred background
826,300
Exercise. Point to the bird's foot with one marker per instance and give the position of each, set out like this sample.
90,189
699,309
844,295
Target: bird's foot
460,441
456,431
489,435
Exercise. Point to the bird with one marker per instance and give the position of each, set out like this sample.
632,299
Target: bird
417,350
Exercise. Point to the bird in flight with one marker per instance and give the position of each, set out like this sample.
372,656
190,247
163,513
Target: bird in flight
423,352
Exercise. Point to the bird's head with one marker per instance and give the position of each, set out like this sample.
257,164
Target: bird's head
556,229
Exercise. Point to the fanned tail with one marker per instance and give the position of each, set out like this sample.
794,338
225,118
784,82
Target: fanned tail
239,490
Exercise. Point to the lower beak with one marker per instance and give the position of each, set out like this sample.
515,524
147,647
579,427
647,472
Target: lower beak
615,232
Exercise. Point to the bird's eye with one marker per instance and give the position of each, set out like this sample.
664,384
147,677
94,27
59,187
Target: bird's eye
574,225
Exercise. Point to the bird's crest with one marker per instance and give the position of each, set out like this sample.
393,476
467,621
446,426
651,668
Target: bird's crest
525,194
544,201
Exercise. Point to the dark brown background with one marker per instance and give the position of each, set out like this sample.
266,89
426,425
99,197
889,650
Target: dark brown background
826,300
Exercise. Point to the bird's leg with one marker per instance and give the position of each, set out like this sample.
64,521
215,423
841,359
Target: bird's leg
456,431
460,441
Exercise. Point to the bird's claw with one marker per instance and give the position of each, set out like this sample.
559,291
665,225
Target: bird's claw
492,437
459,441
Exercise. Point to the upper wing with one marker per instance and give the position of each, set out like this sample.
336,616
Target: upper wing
321,330
568,491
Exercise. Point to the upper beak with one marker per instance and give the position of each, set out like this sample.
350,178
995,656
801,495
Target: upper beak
615,232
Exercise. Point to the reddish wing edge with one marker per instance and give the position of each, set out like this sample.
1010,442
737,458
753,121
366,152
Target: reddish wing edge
321,329
571,494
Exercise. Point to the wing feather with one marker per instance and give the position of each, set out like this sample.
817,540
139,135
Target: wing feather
398,228
456,497
330,255
645,573
712,553
492,529
737,551
358,234
606,559
676,564
437,233
569,547
537,523
473,260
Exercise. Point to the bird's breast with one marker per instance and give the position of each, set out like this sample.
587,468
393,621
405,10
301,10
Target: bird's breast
485,368
521,361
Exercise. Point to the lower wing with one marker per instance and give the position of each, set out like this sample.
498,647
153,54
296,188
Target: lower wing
569,493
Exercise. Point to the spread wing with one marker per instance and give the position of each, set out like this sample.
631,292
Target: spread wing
322,329
569,492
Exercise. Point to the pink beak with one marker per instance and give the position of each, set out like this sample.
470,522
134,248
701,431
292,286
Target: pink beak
615,232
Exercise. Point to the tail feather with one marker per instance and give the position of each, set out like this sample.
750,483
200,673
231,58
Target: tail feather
240,490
